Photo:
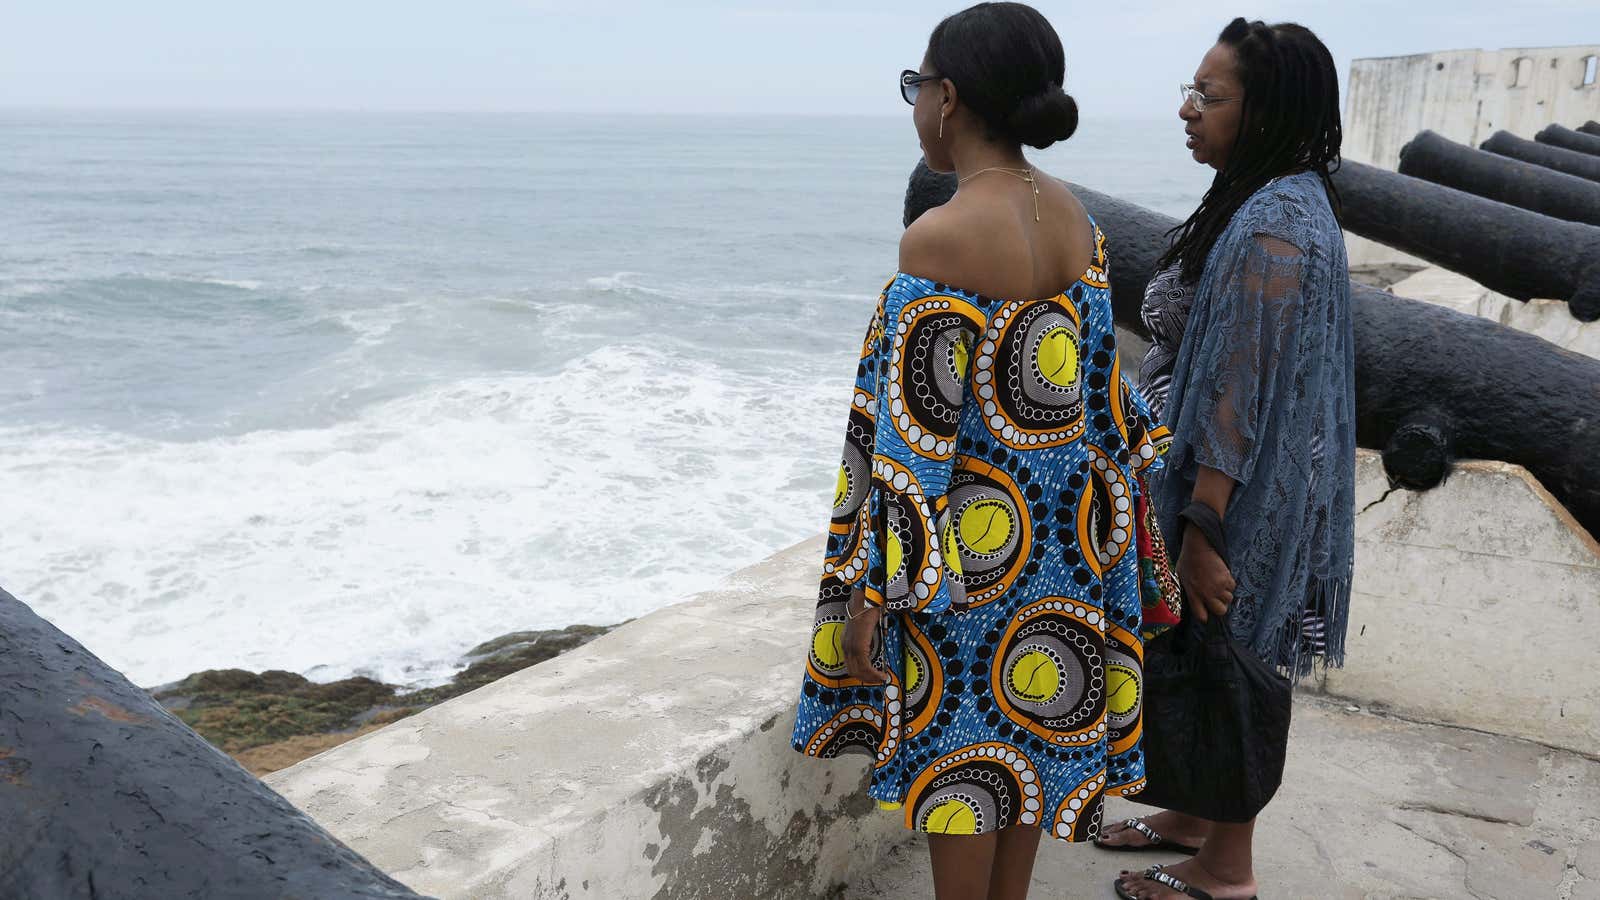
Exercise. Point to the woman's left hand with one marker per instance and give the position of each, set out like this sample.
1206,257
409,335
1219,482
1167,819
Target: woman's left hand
860,626
1203,573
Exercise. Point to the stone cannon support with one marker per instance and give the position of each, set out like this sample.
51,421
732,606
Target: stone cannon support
104,794
1516,252
1559,158
1561,136
1432,384
1434,158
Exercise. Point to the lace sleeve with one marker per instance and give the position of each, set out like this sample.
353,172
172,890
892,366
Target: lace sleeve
1255,305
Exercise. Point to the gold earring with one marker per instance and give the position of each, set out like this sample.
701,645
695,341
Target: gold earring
941,126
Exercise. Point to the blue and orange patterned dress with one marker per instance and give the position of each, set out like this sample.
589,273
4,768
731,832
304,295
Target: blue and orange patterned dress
987,498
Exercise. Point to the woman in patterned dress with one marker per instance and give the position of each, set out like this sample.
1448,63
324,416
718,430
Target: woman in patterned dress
977,633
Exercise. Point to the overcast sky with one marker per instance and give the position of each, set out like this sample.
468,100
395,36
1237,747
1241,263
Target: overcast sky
688,56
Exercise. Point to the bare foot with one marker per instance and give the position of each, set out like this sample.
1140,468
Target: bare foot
1190,872
1175,828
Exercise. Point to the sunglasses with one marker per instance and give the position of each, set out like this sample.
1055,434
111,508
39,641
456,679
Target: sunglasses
911,82
1200,101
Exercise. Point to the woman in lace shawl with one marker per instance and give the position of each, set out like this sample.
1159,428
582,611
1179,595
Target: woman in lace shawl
1261,395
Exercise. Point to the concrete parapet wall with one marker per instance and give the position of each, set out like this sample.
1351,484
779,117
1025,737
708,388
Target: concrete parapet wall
654,762
1475,604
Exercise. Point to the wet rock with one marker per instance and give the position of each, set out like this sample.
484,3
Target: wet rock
273,719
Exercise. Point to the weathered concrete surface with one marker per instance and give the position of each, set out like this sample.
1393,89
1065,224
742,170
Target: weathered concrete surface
1549,319
1475,604
651,763
654,762
1373,807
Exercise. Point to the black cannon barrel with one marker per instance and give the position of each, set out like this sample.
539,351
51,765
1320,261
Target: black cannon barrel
1432,384
1519,253
1590,127
1434,158
1566,138
104,794
1559,158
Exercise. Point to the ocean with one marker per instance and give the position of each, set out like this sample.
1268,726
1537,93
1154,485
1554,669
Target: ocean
350,393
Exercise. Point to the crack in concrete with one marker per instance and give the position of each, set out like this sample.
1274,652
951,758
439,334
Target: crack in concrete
1380,499
1316,842
1333,698
1461,813
1466,867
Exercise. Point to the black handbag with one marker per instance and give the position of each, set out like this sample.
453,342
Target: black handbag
1216,723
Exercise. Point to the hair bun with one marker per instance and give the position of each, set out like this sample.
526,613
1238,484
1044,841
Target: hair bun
1044,118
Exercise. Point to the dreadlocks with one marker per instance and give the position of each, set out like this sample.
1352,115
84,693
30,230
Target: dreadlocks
1289,123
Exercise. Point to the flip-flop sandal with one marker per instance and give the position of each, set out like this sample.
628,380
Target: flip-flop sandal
1155,874
1157,842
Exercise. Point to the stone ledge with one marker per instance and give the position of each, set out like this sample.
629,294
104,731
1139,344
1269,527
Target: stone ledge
654,762
1475,604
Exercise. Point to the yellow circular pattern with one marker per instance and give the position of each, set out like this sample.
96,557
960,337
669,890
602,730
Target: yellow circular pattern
952,547
841,489
1058,357
959,357
894,554
1122,689
827,645
1035,677
952,817
986,526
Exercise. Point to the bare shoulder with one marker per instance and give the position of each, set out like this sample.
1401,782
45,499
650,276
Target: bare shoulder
948,244
929,248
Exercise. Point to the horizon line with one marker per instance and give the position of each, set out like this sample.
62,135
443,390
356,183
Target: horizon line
6,108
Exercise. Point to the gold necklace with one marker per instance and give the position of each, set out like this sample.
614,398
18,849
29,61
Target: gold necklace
1023,174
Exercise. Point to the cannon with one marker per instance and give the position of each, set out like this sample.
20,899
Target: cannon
104,794
1519,253
1590,127
1442,161
1566,138
1432,384
1559,158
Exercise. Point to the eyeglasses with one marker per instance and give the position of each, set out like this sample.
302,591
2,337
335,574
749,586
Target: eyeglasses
1199,100
911,82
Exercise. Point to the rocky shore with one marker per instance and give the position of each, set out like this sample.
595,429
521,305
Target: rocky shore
272,720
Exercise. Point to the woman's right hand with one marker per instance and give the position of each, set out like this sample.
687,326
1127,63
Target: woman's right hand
858,634
1203,573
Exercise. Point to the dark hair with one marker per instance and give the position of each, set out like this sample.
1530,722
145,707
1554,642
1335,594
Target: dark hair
1289,123
1008,67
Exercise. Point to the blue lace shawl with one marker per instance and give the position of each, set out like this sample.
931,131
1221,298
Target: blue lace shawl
1264,390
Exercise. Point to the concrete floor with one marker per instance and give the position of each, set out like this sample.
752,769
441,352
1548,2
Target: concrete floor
1374,807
